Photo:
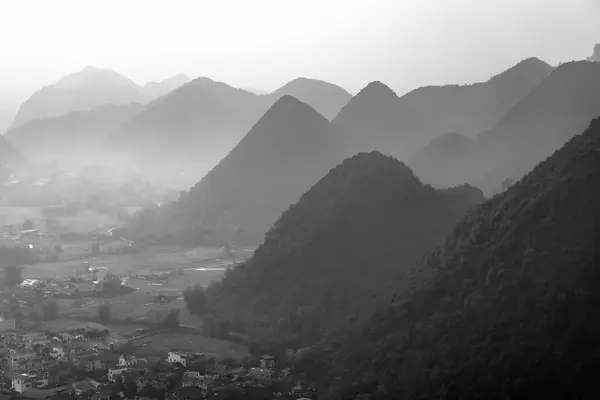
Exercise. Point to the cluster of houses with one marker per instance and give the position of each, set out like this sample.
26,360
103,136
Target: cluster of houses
65,364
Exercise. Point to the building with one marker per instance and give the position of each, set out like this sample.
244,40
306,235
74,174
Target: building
20,360
127,360
114,371
82,387
92,362
183,358
267,361
101,396
261,375
22,382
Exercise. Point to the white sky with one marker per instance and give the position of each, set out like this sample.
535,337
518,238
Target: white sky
265,43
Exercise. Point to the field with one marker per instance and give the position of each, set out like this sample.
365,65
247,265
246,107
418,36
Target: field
85,221
200,266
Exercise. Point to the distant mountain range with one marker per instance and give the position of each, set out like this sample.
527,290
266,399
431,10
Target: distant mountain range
206,119
346,238
89,88
376,118
505,308
558,108
79,135
8,155
6,119
285,152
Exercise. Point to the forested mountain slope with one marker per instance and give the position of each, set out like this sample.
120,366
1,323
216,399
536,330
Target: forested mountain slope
329,258
507,308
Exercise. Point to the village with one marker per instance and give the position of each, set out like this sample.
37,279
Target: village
96,324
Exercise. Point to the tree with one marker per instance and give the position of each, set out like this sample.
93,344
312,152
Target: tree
195,300
104,313
172,319
27,225
50,309
129,388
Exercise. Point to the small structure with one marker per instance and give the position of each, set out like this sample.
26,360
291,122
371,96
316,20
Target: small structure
22,382
127,360
183,358
267,362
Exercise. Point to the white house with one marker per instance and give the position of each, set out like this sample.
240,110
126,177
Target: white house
127,360
184,358
22,382
114,371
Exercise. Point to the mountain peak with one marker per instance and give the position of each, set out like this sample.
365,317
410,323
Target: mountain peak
377,88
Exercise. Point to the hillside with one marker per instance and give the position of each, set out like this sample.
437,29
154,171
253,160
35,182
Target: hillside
557,109
596,54
80,91
90,88
378,119
326,98
506,308
430,163
287,150
8,154
154,90
329,257
202,119
72,136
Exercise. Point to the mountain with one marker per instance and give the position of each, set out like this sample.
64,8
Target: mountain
379,119
331,254
81,91
507,307
155,90
430,163
8,155
5,121
76,135
286,151
203,120
596,55
327,99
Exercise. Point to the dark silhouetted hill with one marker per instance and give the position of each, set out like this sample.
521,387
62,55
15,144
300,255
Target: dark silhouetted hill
81,91
327,260
286,151
596,54
506,308
379,120
327,99
79,134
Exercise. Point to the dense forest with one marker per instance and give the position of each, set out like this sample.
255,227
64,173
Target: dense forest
331,257
507,308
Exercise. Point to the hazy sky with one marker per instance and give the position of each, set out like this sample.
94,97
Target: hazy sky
265,43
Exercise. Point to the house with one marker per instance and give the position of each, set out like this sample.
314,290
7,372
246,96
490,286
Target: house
58,351
115,370
92,362
96,384
18,359
127,360
22,382
267,361
82,387
183,358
